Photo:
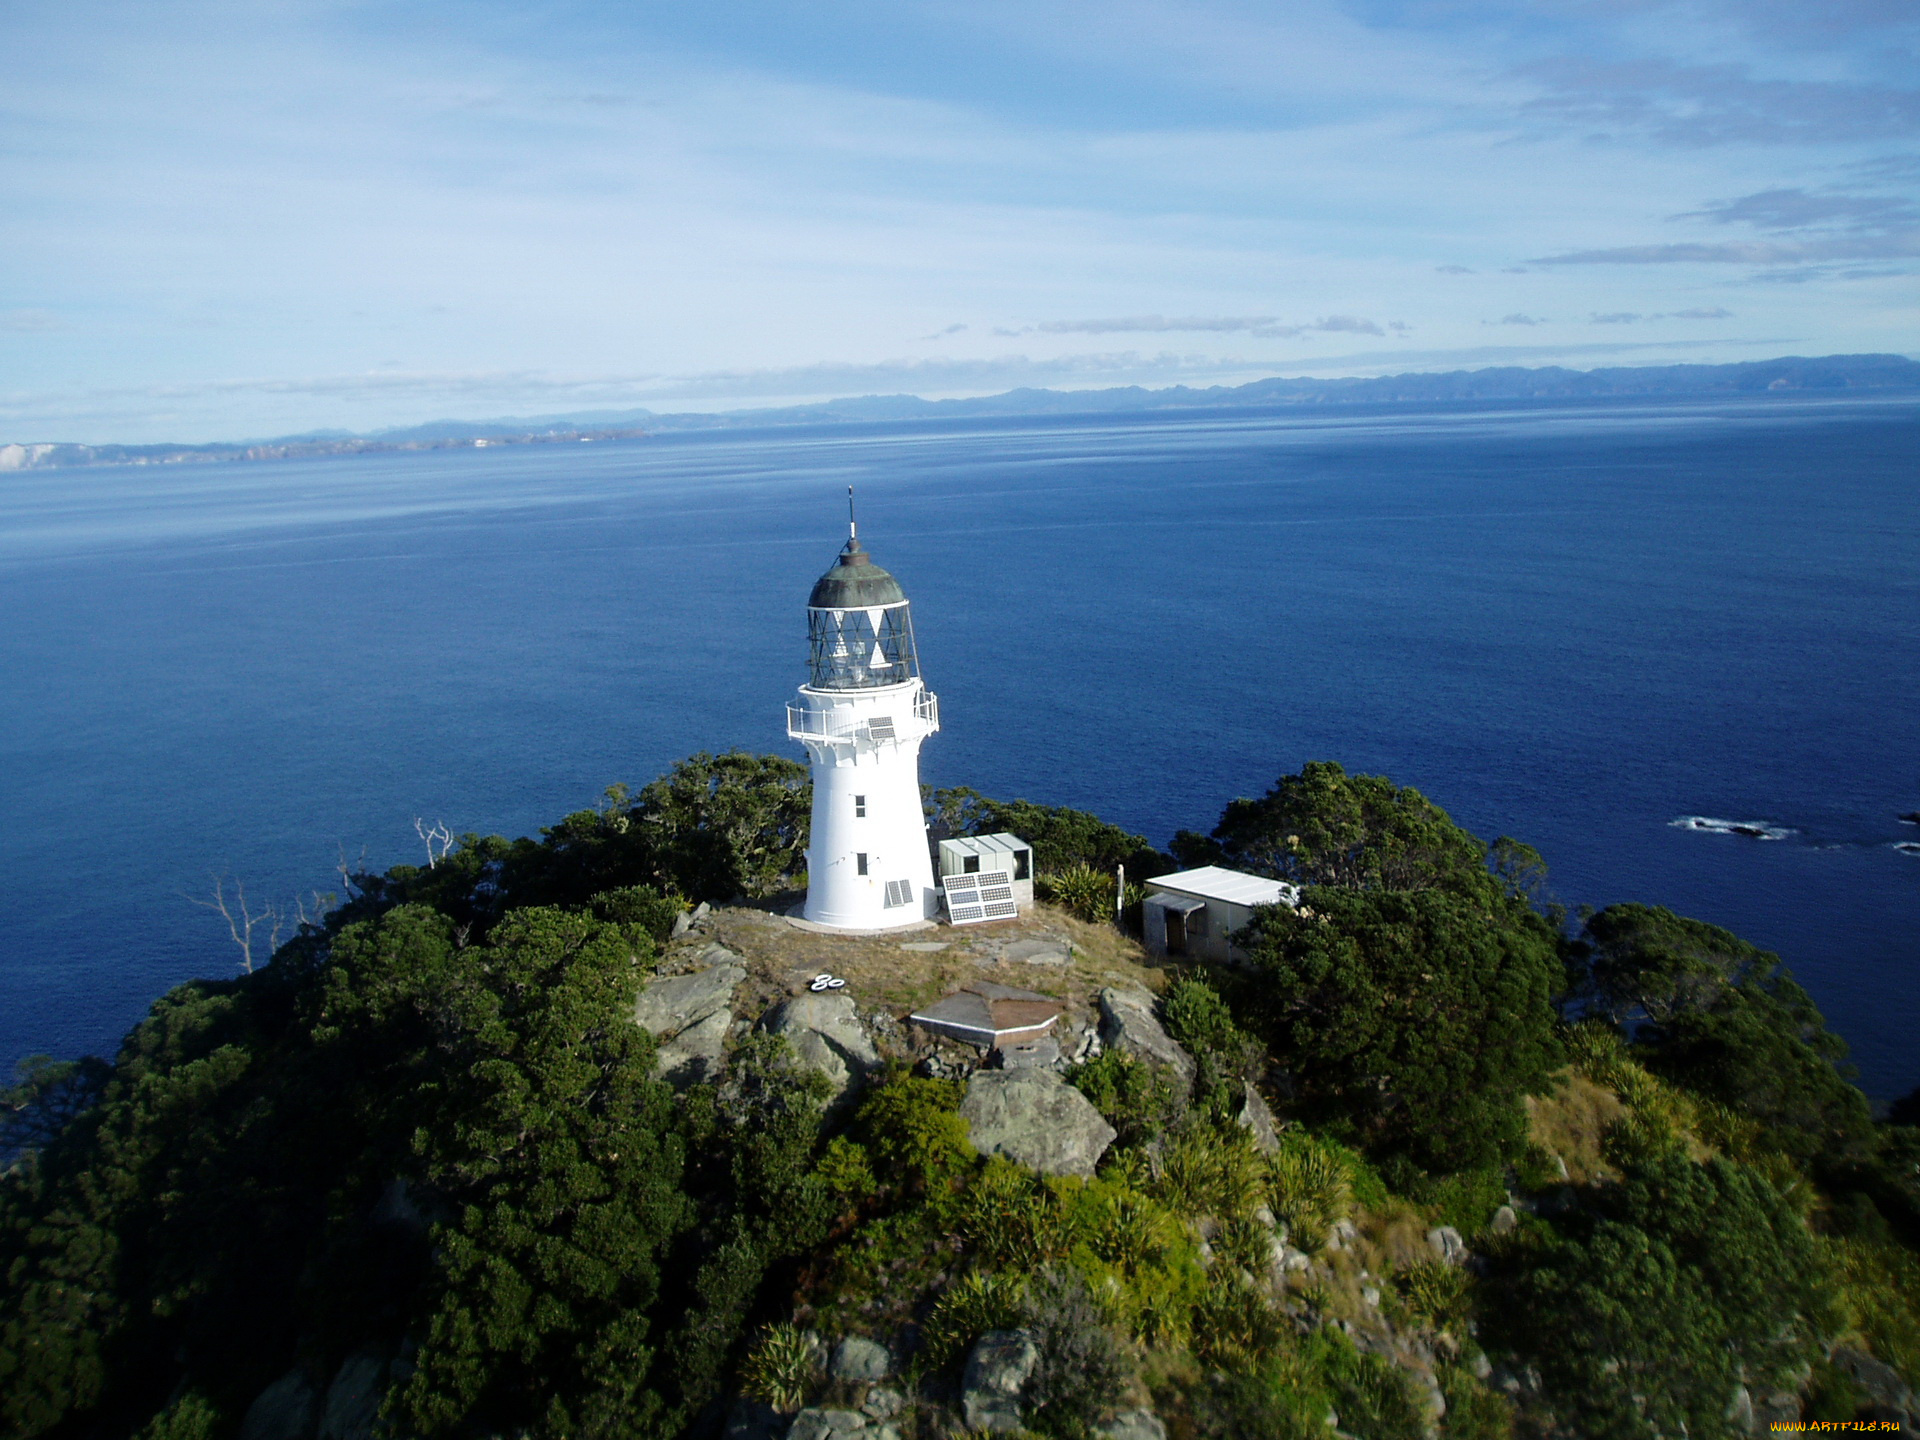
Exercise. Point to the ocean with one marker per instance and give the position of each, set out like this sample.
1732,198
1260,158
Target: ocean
1614,630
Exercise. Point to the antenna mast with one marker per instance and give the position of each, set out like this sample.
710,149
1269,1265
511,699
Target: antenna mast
853,528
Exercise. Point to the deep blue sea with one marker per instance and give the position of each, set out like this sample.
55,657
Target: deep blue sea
1571,624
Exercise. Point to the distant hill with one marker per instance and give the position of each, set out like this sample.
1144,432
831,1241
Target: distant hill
1798,374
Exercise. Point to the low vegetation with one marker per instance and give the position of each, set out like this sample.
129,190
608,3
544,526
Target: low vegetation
1525,1174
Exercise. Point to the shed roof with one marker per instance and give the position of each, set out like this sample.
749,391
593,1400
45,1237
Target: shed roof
1232,887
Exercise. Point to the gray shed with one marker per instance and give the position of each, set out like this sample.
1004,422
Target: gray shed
1193,912
982,854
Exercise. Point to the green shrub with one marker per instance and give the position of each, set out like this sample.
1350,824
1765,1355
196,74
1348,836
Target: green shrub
911,1128
1081,891
1207,1172
1082,1371
1308,1188
1235,1327
1436,1294
980,1301
1128,1230
782,1367
1473,1411
642,906
1132,1096
1011,1216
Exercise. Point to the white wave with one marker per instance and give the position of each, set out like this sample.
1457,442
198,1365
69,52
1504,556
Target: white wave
1907,847
1752,829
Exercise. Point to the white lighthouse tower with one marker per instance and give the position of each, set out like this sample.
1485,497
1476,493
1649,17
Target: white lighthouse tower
862,715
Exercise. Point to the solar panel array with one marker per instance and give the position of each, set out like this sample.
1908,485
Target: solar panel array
974,898
899,892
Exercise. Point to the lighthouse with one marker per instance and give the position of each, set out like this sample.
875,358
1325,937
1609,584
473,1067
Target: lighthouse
862,715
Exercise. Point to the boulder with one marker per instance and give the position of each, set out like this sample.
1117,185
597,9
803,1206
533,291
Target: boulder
858,1358
1256,1116
1504,1220
1445,1242
288,1409
353,1400
882,1402
1127,1023
997,1370
1038,952
1132,1425
814,1424
1037,1119
690,1015
1879,1382
825,1034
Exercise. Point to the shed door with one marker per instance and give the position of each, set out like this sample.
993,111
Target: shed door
1176,932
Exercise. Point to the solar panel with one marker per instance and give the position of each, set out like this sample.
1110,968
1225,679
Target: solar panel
899,892
987,895
881,727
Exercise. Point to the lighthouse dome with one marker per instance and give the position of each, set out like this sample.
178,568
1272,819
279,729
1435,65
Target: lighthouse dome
854,583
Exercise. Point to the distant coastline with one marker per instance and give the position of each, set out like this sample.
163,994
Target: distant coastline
1856,374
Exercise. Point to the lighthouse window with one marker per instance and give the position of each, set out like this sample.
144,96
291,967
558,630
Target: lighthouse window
860,862
859,807
970,865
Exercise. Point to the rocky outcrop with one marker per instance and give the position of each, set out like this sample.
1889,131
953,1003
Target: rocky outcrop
1128,1024
353,1400
288,1409
1446,1243
1035,1118
1132,1425
858,1358
690,1016
1885,1391
997,1371
1257,1119
826,1035
827,1425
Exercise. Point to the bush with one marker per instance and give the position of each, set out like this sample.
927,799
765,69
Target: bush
979,1302
782,1368
912,1129
1132,1096
1082,892
1083,1371
1009,1216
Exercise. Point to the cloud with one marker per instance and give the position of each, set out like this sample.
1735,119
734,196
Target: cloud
1516,319
1702,312
1262,327
1698,105
942,334
1452,270
1798,210
1893,245
30,321
1617,317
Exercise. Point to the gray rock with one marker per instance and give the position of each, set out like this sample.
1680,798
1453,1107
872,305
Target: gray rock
682,923
883,1432
1128,1024
696,1053
1037,1119
1038,952
1447,1244
353,1400
1879,1382
754,1420
997,1370
1133,1425
814,1424
672,1003
288,1409
882,1402
1040,1053
858,1358
1257,1117
824,1031
1739,1414
1504,1220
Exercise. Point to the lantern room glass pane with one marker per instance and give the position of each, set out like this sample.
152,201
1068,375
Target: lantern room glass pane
846,652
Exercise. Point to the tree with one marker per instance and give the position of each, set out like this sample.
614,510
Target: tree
719,826
1725,1019
1415,1019
1651,1306
1326,827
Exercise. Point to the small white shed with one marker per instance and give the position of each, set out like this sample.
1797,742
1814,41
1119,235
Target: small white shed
1193,912
983,854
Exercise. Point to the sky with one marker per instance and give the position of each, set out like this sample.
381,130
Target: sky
230,219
